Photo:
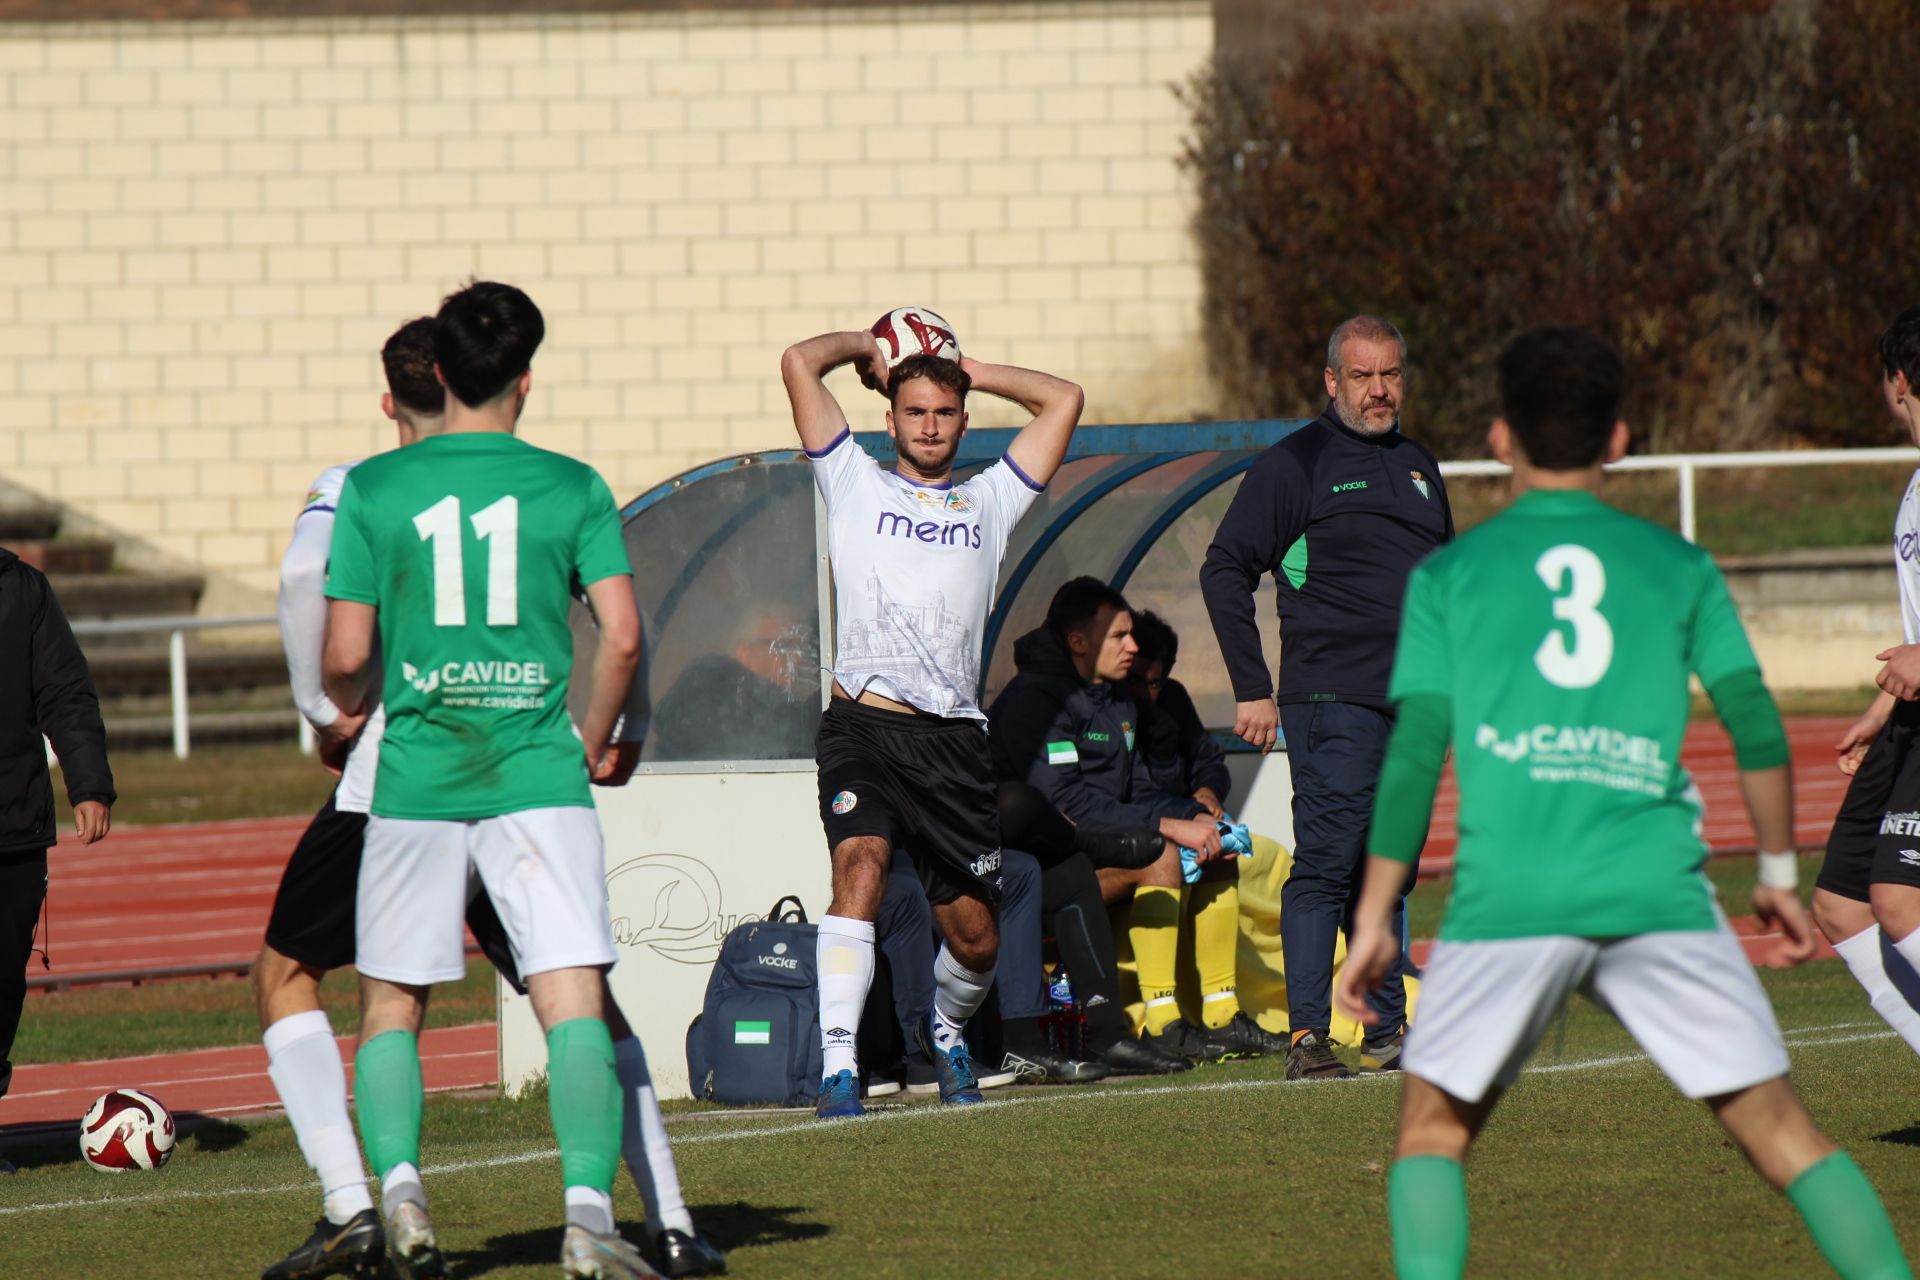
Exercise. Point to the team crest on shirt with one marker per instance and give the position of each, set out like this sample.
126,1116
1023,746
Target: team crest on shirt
959,502
1420,483
844,802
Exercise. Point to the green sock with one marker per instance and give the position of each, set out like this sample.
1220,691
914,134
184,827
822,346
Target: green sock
1427,1205
390,1097
1848,1222
583,1095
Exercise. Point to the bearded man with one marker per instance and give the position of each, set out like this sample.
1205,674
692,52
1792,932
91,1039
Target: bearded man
1339,513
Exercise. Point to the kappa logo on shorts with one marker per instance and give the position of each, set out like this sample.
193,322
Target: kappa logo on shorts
844,802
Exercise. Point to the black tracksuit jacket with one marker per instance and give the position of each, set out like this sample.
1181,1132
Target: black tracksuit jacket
1181,755
1340,520
1075,742
45,689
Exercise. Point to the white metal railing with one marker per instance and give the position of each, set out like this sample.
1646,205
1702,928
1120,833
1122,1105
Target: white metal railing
176,626
1688,464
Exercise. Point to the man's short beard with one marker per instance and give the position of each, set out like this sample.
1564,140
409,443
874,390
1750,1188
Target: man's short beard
1357,423
944,464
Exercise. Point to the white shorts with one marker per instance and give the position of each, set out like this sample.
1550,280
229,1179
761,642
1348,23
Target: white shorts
1690,998
544,869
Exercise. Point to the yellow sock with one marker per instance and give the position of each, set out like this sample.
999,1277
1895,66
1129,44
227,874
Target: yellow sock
1216,941
1154,928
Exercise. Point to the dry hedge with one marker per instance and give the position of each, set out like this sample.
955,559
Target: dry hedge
1730,190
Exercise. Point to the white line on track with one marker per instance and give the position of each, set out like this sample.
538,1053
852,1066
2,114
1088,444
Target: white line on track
1799,1038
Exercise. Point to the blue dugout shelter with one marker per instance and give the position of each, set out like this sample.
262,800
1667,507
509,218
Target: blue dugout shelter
732,577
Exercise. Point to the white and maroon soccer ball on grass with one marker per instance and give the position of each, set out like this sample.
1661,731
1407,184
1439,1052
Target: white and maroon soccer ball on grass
913,331
126,1129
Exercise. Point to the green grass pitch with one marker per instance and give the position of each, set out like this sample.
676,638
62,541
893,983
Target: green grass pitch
1593,1168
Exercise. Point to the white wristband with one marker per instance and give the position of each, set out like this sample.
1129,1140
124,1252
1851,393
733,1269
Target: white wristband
1779,870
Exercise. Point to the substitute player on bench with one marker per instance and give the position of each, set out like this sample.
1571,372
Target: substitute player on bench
902,747
1551,649
310,930
462,551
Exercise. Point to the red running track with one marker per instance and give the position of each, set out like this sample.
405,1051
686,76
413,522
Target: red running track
152,897
223,1081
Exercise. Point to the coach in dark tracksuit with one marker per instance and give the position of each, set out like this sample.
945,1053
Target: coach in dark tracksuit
45,689
1339,512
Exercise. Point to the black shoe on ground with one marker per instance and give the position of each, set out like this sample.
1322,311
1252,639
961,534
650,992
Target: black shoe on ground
1187,1040
919,1076
6,1166
688,1255
1126,1057
357,1247
1382,1054
1311,1058
1052,1068
1245,1038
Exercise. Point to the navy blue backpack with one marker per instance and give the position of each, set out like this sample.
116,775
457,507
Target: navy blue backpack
757,1038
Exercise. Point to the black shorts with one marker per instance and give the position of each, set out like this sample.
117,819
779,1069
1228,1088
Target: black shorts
1876,836
313,910
922,783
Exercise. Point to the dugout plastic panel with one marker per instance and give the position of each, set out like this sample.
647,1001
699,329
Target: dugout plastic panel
722,818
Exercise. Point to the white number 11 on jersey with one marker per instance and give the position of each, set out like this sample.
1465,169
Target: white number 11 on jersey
498,524
1578,581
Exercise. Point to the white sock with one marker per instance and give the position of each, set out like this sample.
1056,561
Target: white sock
957,993
590,1207
1893,1004
1863,957
304,1063
643,1141
846,971
402,1183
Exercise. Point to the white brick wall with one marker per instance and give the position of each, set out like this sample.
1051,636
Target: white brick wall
207,230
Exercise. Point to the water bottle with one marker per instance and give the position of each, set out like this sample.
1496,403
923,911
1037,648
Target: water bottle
1063,1014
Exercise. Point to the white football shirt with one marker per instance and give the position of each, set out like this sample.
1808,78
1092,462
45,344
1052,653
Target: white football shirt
914,569
1906,558
303,628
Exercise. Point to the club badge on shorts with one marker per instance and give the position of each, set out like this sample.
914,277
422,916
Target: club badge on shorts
1420,483
844,802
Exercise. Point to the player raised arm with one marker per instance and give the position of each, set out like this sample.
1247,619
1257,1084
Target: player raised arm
817,416
1054,403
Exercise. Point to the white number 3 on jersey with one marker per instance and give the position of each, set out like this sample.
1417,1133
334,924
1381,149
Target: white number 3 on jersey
1578,580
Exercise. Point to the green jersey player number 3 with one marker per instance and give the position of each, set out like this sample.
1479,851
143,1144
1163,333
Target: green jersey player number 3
1562,635
471,547
1578,581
